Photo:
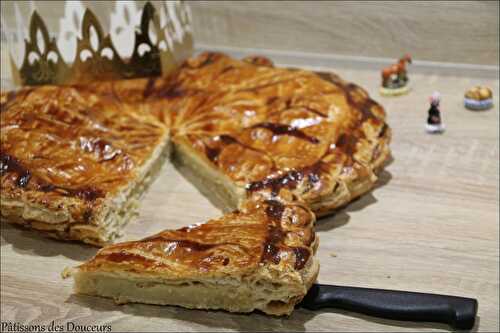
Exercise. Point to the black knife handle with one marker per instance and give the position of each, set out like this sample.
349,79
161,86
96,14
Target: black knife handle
459,312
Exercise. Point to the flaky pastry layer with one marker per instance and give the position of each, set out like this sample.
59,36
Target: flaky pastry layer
248,128
258,138
73,162
261,257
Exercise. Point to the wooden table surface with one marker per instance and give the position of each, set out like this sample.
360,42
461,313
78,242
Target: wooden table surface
431,225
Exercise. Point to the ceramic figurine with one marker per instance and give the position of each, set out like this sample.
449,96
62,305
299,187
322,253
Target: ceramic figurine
395,78
478,98
434,122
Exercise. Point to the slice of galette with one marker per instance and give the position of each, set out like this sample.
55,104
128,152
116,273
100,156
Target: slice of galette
258,258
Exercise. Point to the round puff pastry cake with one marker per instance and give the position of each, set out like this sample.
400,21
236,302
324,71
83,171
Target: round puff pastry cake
258,258
279,145
241,127
73,163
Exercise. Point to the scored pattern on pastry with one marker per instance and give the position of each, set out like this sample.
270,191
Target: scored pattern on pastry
265,129
65,152
280,143
270,128
268,232
260,257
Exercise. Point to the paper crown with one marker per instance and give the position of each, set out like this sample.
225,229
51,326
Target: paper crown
161,38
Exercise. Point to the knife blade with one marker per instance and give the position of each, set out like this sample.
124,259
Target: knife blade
458,312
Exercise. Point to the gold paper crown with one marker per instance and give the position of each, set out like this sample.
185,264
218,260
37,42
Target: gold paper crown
43,64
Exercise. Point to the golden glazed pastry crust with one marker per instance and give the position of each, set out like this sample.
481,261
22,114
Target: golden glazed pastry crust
74,162
280,145
245,128
260,257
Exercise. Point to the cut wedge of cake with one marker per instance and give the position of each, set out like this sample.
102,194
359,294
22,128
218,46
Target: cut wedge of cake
74,159
243,126
73,163
258,258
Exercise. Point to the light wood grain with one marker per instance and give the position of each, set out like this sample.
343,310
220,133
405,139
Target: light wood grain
430,226
444,31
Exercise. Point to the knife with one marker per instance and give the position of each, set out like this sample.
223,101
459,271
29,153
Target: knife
458,312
